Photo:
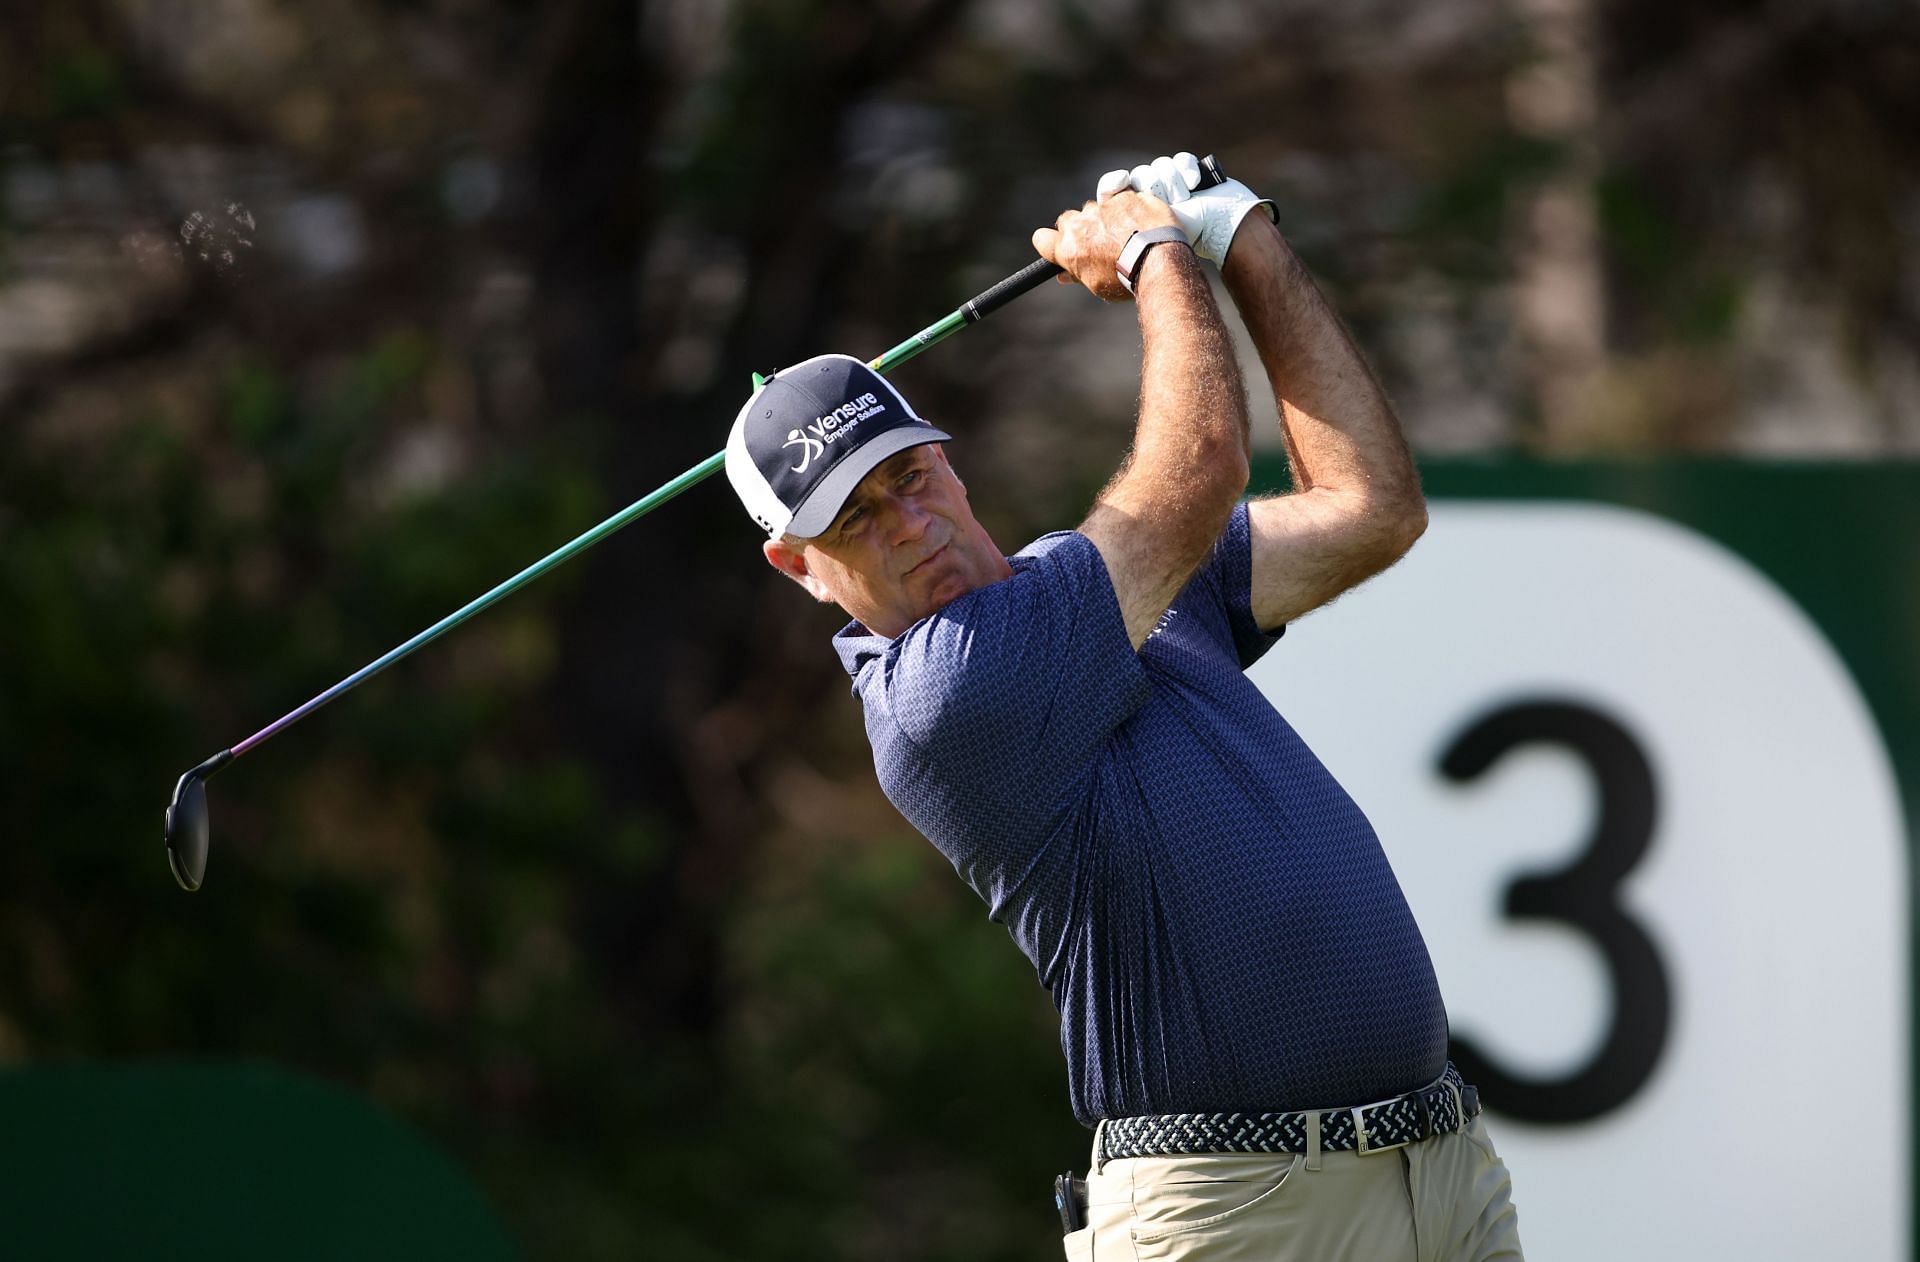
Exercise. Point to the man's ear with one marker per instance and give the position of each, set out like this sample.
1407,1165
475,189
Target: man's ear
792,561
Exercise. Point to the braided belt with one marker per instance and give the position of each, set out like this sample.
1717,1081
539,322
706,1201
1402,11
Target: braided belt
1445,1105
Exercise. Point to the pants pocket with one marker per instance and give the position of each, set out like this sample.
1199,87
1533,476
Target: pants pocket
1078,1244
1189,1202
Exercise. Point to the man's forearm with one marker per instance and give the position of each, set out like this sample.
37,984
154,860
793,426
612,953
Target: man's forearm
1192,427
1340,431
1156,520
1159,516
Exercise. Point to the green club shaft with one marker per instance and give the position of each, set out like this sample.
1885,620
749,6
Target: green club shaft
920,341
939,331
700,472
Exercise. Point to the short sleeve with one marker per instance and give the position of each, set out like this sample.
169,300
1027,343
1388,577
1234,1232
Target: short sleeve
1227,575
1014,687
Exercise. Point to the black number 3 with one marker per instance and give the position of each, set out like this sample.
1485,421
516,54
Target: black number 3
1583,894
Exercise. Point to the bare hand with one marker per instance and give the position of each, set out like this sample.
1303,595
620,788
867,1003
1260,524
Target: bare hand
1087,242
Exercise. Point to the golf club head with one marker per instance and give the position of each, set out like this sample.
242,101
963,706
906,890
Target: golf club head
187,827
187,832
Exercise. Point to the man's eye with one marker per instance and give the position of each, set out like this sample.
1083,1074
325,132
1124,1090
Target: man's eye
912,476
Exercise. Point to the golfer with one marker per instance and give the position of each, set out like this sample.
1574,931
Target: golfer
1251,1022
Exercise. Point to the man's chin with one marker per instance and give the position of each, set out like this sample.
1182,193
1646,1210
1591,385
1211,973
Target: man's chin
948,589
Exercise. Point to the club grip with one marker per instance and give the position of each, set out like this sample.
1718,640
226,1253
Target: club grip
991,299
1036,273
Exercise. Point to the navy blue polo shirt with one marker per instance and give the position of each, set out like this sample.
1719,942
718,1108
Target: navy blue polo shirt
1213,916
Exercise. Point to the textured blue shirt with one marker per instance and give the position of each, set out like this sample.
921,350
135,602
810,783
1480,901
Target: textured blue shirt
1213,916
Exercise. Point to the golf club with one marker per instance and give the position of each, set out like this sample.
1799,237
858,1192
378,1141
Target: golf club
187,828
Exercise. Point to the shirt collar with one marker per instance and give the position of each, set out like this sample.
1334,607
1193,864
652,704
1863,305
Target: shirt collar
859,648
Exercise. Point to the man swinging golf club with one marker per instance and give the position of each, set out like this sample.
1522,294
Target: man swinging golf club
1249,1015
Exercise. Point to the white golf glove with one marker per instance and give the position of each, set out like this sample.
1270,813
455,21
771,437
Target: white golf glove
1210,216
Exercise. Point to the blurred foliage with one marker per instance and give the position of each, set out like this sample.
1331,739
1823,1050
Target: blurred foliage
599,890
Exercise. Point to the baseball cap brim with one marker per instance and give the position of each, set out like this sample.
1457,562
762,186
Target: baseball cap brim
816,514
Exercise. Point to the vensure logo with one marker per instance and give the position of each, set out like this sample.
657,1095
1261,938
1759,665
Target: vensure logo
841,421
809,448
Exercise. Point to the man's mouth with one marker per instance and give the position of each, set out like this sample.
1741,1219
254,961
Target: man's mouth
929,557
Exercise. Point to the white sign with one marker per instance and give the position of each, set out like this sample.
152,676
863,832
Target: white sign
1747,1096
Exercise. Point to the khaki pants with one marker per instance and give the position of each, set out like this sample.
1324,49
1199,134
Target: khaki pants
1445,1199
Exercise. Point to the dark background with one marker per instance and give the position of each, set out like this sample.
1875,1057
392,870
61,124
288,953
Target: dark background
316,321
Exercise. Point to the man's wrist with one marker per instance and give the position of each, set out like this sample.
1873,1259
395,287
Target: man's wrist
1160,263
1261,256
1137,254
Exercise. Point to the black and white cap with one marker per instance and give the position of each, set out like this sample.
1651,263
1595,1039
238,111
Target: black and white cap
807,437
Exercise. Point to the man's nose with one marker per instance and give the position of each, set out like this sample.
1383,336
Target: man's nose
906,520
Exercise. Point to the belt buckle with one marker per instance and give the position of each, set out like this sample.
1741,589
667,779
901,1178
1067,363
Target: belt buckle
1365,1148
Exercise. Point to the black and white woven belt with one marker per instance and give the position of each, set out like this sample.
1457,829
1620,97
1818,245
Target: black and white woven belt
1445,1105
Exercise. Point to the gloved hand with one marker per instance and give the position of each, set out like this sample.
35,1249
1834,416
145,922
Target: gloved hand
1210,216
